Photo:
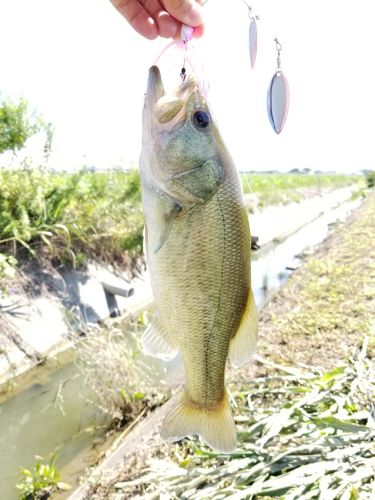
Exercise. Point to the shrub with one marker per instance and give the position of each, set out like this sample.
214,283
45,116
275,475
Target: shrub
370,179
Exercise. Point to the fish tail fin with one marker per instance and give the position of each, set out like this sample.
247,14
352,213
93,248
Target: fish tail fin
214,424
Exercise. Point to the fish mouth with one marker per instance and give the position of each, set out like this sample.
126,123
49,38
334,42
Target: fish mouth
155,87
166,111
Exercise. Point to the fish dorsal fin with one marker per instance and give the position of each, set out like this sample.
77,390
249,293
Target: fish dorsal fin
157,341
166,228
242,345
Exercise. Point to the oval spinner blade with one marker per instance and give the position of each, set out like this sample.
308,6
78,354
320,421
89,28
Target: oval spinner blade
253,44
278,101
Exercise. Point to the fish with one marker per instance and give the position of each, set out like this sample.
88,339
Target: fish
197,244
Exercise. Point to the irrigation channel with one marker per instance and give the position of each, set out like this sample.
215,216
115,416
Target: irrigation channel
53,412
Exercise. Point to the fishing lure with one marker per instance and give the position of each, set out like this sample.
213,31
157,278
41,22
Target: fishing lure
278,95
253,36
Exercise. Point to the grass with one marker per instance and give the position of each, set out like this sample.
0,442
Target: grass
71,217
273,189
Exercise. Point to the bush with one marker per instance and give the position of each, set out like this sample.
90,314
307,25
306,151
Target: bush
370,179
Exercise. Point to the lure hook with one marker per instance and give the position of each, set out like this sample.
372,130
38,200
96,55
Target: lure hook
279,48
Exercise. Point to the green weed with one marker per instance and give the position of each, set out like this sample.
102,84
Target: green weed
370,179
40,482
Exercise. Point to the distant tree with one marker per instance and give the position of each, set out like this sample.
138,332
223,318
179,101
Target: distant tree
16,124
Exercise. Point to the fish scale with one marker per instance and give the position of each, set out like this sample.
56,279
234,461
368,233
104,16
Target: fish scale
198,252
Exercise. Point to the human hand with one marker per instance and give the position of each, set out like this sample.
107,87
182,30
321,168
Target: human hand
153,18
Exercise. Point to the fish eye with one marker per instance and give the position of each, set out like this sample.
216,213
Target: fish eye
201,119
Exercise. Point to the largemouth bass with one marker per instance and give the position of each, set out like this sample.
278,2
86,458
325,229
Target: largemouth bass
197,244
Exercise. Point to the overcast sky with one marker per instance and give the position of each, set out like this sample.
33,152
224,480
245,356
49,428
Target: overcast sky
84,69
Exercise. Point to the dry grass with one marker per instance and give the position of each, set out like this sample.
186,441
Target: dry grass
112,366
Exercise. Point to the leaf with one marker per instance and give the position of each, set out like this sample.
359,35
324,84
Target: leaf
26,472
63,228
340,424
46,240
331,375
24,244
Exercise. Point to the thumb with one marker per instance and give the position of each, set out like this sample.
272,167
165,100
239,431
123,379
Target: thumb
187,11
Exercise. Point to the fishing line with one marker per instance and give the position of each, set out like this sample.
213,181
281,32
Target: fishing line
190,62
180,54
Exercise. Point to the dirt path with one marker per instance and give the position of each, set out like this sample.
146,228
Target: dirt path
323,312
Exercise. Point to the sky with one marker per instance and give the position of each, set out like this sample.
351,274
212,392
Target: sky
82,67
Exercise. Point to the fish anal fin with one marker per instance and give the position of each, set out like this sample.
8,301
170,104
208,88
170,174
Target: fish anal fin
214,425
157,341
243,344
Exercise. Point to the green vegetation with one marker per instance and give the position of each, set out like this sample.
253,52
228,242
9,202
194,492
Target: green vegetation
75,216
370,179
272,189
17,125
302,435
40,482
70,216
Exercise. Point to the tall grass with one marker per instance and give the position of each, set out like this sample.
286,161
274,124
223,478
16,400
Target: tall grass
69,216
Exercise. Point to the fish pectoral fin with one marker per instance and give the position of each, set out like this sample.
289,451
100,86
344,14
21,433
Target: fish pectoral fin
243,344
167,226
157,341
214,425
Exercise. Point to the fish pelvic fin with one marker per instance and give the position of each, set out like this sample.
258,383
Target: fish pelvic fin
157,341
243,344
214,425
